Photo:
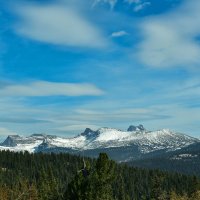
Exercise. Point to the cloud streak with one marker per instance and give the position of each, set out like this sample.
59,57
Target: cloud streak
138,4
110,2
141,6
170,40
45,88
59,25
119,34
132,1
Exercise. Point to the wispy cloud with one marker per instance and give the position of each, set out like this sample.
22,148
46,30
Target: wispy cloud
110,2
21,120
171,39
141,6
138,4
121,115
59,25
183,119
132,1
119,34
45,88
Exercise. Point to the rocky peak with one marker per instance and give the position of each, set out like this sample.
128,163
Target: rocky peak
46,143
11,141
87,132
136,128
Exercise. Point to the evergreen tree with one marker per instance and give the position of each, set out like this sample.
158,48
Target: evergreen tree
103,178
120,188
97,185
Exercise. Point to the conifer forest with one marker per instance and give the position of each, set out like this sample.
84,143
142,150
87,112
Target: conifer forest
25,176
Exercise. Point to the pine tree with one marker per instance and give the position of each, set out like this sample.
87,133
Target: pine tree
103,178
80,187
120,188
97,185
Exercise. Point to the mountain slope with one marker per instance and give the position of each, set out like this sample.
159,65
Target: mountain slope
185,160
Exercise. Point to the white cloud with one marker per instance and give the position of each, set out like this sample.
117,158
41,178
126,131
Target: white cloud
132,1
116,114
119,34
141,6
171,39
110,2
183,119
5,132
138,4
44,88
59,25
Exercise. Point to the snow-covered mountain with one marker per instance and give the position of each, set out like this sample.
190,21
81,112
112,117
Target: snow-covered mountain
121,145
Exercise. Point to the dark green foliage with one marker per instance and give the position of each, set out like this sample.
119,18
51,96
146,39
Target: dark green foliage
58,177
96,185
103,177
50,174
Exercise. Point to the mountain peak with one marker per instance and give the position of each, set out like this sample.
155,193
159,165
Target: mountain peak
136,128
87,131
11,141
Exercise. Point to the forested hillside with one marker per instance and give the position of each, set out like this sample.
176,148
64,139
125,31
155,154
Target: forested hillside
61,177
185,160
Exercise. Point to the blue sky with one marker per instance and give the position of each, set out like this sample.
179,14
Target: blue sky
70,64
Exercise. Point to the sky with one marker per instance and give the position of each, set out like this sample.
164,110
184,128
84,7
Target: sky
70,64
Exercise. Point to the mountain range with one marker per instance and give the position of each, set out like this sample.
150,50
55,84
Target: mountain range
136,143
